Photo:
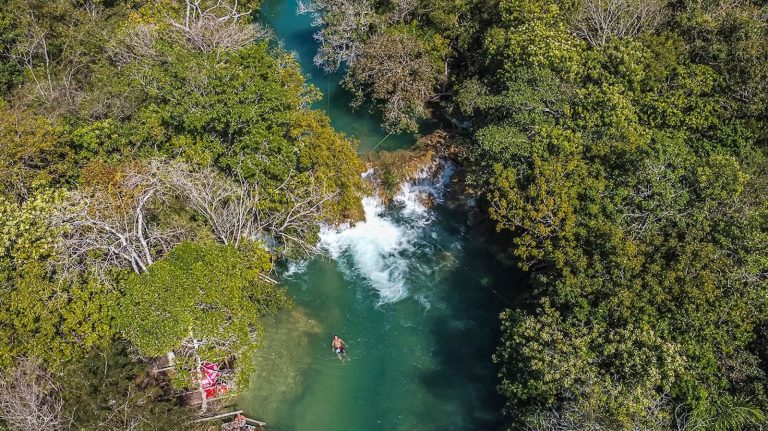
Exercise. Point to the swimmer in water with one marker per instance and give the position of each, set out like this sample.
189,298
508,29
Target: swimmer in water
339,346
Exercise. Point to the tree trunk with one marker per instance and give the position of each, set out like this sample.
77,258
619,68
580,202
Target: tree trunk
199,372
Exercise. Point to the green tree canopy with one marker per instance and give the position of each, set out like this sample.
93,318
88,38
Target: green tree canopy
631,175
54,319
203,301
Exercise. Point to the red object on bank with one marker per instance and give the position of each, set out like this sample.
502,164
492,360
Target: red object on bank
210,376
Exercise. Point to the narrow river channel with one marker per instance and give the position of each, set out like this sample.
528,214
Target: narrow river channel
414,291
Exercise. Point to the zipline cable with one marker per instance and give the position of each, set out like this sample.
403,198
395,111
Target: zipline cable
468,270
380,142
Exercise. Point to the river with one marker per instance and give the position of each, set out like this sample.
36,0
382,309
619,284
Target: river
414,291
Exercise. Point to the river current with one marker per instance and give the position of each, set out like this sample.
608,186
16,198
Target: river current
415,291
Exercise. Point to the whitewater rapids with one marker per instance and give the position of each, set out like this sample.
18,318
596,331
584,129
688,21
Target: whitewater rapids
379,248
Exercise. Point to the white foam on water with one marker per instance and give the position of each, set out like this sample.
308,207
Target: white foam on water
295,267
412,200
376,247
379,248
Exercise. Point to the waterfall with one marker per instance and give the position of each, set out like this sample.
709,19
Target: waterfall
379,248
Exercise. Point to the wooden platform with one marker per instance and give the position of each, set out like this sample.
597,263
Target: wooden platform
239,423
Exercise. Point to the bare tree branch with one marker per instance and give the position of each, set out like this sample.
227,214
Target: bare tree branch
345,25
237,209
29,399
597,21
114,227
218,26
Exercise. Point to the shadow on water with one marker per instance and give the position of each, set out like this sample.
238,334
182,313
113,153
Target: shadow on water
465,337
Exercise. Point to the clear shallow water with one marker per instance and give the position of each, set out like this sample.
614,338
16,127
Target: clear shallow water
419,314
414,291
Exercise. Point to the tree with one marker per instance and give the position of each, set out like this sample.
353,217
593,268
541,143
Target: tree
216,26
630,186
400,72
250,120
731,36
57,321
26,236
10,72
109,390
105,172
42,315
599,20
204,302
29,398
112,220
240,210
29,154
344,27
58,45
532,35
396,53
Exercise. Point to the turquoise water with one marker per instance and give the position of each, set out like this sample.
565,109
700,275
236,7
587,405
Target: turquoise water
295,34
414,291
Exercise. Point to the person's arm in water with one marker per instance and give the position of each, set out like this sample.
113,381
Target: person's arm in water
342,342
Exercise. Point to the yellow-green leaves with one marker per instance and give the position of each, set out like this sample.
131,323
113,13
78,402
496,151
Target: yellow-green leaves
535,35
26,234
632,182
54,320
720,178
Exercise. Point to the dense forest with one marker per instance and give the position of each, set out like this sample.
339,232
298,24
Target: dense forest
622,144
156,158
153,148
